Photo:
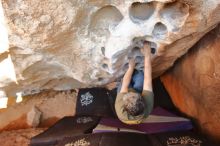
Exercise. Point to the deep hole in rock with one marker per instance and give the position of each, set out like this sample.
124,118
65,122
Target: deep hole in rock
160,31
105,17
125,67
103,50
153,50
141,11
175,10
135,49
105,66
100,79
175,13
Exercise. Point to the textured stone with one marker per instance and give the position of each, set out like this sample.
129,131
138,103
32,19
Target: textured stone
58,44
42,110
33,117
194,83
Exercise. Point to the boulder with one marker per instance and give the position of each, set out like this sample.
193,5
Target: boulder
194,83
38,110
33,117
61,45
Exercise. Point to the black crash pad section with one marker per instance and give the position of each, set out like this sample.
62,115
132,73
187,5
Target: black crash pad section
180,138
95,101
107,139
68,126
183,138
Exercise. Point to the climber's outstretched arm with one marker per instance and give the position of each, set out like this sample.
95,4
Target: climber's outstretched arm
146,50
127,77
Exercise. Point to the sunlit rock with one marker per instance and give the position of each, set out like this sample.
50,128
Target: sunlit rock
194,83
38,110
60,45
33,117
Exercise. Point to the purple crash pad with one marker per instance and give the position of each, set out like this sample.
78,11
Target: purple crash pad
159,121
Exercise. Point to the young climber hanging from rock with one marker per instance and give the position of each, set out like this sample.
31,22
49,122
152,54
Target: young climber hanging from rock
134,101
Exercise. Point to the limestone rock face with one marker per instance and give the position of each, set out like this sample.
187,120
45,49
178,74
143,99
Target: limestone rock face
194,83
58,44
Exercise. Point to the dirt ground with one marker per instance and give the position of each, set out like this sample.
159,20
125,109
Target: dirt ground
18,137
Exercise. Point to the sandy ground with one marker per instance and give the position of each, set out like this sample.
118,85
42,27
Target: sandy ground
18,137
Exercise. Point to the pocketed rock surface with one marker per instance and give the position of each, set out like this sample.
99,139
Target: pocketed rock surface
62,45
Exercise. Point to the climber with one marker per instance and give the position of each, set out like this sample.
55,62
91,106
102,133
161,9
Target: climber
134,101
